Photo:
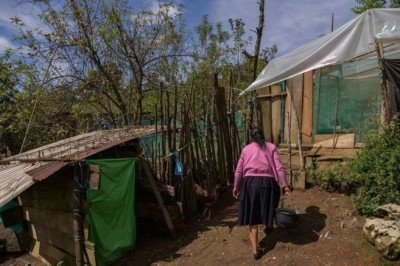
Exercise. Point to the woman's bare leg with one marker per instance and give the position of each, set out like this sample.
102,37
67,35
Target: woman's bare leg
253,232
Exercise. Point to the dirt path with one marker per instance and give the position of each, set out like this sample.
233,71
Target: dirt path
328,234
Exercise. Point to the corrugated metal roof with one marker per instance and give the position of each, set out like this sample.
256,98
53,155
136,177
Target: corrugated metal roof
14,180
19,172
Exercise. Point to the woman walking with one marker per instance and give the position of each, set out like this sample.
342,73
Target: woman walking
258,170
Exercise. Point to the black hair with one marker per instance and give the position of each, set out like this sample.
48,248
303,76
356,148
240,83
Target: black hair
257,136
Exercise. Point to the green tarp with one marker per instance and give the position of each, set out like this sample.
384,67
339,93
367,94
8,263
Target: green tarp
112,209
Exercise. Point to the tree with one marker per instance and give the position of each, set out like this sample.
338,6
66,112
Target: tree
104,48
7,100
240,43
368,4
254,58
268,53
25,104
110,59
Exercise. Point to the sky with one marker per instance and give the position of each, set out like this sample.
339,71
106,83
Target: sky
288,23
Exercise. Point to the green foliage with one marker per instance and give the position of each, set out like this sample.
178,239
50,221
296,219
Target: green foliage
368,4
332,178
101,63
395,3
13,74
24,102
376,169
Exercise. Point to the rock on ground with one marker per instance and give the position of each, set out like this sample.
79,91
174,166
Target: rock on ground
385,234
390,210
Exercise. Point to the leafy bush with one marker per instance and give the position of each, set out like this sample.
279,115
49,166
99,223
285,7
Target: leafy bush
376,170
332,179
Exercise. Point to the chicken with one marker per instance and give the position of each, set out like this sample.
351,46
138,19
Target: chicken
206,197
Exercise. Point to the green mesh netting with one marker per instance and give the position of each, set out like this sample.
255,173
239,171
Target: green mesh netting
150,142
112,209
347,97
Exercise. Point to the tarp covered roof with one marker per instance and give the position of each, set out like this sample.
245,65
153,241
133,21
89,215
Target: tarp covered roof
352,40
21,171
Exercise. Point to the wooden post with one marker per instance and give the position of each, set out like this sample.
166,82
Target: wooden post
298,126
220,148
77,224
163,137
289,142
336,124
299,140
156,142
232,122
384,109
175,117
168,122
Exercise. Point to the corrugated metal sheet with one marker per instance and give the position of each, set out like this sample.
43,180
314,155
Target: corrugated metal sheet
19,174
46,170
14,180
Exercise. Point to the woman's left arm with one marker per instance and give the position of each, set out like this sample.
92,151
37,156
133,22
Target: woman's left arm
279,167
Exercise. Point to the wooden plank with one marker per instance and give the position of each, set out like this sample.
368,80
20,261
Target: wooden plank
307,116
345,141
90,257
61,221
322,137
288,107
49,193
296,91
94,178
290,110
49,204
50,255
265,111
160,200
275,114
272,95
331,158
52,237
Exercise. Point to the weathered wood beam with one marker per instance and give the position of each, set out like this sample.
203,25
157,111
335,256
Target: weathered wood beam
263,96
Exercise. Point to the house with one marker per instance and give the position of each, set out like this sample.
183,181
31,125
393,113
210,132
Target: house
81,199
331,91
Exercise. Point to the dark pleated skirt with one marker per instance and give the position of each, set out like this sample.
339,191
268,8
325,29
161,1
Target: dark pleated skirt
258,199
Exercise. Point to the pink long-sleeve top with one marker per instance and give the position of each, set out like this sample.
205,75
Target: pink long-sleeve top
260,161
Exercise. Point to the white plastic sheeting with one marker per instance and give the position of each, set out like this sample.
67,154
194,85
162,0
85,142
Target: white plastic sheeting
353,39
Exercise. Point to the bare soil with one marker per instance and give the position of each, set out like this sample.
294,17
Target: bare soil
328,233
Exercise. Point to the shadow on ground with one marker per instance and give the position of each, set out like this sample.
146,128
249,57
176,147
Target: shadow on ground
151,248
306,231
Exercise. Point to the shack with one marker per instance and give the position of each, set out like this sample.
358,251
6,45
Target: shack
331,91
80,199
